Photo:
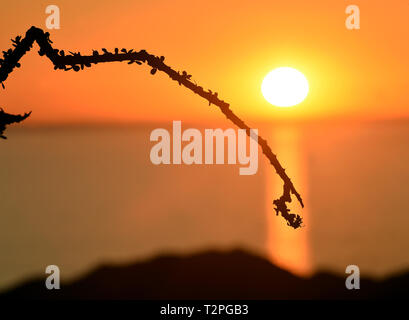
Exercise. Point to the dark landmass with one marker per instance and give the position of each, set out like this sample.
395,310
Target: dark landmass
209,275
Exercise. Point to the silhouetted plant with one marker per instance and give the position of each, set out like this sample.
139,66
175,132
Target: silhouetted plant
75,61
6,119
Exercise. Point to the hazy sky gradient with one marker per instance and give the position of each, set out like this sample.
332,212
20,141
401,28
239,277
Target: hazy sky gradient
227,46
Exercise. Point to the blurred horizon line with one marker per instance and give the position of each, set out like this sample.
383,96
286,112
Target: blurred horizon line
211,123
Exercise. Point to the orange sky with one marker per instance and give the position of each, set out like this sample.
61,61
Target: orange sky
228,46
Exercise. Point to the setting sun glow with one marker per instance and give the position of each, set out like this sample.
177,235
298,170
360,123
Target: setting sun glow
285,87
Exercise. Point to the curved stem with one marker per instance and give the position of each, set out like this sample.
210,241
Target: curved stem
76,61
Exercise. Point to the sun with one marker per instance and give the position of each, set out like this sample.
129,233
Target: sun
285,87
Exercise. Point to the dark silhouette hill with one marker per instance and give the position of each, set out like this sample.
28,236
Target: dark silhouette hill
209,275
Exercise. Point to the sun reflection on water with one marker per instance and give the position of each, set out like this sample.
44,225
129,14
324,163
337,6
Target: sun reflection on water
286,247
